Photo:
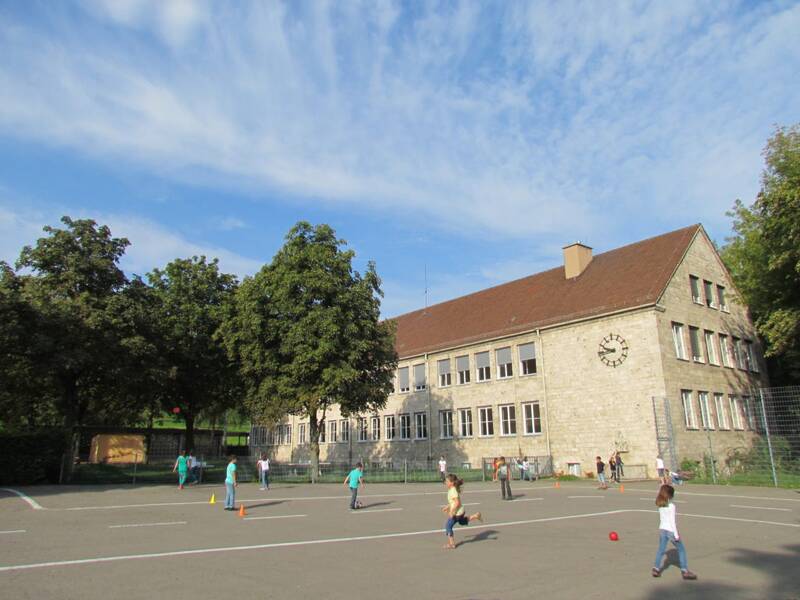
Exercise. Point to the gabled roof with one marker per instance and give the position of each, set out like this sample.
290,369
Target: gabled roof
627,277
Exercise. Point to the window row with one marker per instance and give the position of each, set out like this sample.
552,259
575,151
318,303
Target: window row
717,411
504,365
713,348
457,423
710,295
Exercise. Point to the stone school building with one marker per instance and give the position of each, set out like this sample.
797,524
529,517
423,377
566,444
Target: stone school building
643,349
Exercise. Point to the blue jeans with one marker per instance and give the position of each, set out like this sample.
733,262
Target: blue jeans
181,477
230,495
353,497
667,536
460,519
265,479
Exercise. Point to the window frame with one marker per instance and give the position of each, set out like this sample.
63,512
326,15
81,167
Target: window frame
375,432
750,356
445,379
506,369
706,419
362,433
722,417
484,373
725,350
488,423
445,416
333,433
722,299
464,376
508,420
423,416
465,424
344,430
389,427
423,367
678,341
711,348
696,343
405,426
694,290
708,292
689,414
527,363
301,434
400,388
534,419
737,422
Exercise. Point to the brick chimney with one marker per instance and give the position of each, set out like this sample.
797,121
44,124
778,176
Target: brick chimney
576,258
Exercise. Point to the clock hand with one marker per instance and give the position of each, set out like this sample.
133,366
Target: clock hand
607,351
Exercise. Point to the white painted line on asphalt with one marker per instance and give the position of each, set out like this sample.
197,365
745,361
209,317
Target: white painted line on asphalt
104,559
146,524
115,506
719,518
361,511
470,504
526,499
14,531
761,507
274,517
683,493
585,496
33,503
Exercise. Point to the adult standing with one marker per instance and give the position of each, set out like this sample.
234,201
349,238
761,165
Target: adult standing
182,467
612,465
662,474
503,474
526,468
620,464
263,470
442,468
231,483
191,461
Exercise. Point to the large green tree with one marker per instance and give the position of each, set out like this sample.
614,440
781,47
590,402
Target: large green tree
195,374
307,333
764,254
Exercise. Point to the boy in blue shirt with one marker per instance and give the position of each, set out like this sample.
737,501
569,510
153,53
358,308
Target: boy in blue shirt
353,479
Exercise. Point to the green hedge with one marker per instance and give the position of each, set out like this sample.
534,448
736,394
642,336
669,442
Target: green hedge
31,457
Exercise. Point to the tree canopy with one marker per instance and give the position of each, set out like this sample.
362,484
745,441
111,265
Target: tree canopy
764,254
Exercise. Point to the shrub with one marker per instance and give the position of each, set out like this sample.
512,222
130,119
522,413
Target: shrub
31,457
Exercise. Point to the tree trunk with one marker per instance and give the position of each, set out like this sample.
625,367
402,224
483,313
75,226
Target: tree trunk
188,418
313,432
71,421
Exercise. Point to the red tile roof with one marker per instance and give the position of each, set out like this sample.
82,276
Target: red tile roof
627,277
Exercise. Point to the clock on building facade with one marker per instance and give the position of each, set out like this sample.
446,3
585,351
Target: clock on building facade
613,350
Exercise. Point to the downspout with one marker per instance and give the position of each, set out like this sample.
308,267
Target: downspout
546,400
430,416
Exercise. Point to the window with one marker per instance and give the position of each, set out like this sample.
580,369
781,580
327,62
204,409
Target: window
402,378
711,348
688,409
332,437
694,344
462,366
527,358
694,283
362,429
444,373
344,430
375,428
445,424
482,364
288,433
389,427
405,427
750,356
421,422
738,355
723,302
725,350
708,288
508,420
486,421
677,338
748,411
420,382
719,406
465,421
504,365
533,420
321,433
736,412
301,433
705,414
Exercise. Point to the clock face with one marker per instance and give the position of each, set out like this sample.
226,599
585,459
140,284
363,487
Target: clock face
613,350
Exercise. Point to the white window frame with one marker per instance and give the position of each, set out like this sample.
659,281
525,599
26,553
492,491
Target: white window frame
363,432
722,417
725,350
689,414
711,348
485,372
400,372
694,287
464,376
420,433
722,298
696,344
736,412
527,366
445,375
375,428
465,425
322,433
706,418
485,421
301,433
532,416
344,430
504,370
679,341
446,424
389,427
750,356
508,420
749,413
708,292
333,435
420,368
738,355
405,426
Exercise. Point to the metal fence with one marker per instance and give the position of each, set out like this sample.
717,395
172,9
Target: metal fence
771,453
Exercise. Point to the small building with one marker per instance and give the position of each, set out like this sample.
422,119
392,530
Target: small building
644,349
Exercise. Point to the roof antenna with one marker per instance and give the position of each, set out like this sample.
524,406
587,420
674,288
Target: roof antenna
426,287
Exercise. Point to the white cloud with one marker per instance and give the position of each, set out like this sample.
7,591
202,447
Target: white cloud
231,223
530,118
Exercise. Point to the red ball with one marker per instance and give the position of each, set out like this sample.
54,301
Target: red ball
176,410
613,536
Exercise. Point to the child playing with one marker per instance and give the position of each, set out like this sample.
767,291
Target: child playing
668,532
263,469
601,475
231,483
182,466
455,510
354,479
503,475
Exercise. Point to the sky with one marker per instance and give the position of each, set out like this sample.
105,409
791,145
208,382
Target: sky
459,145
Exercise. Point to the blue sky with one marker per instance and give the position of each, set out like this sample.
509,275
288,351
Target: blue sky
472,138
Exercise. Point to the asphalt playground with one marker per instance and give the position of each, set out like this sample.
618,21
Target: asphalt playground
302,541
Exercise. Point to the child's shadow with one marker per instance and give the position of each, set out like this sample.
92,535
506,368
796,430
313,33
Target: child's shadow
672,559
487,534
374,504
268,503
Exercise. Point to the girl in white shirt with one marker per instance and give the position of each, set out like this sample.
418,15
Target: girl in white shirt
668,532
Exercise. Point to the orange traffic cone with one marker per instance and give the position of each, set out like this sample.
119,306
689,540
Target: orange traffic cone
621,488
558,484
242,511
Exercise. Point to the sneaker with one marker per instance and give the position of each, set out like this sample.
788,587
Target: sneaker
688,575
655,572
